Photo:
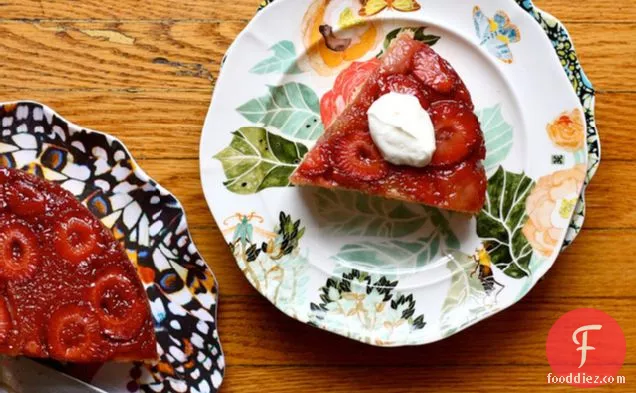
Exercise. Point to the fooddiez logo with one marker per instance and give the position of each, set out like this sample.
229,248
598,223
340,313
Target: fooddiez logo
586,348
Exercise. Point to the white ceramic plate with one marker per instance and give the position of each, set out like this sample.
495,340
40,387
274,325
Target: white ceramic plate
379,271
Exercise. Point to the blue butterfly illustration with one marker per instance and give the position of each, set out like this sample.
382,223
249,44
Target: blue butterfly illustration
496,33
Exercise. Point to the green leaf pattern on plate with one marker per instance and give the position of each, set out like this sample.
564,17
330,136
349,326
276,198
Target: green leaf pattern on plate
498,136
293,108
282,281
500,222
535,262
397,254
367,308
401,254
419,33
257,159
466,300
283,60
276,267
355,214
442,227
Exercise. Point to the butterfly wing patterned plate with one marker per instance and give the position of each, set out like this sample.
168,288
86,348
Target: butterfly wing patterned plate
151,225
385,272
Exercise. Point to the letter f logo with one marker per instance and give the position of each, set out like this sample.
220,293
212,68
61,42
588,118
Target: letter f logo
583,344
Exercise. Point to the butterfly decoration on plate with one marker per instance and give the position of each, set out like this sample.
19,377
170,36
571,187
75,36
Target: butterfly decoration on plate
372,7
496,33
244,230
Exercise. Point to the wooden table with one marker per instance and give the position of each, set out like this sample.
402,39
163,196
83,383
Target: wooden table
144,71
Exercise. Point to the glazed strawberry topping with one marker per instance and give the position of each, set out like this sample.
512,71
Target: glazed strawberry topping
6,323
345,88
434,72
19,251
399,59
457,132
120,307
356,158
76,239
404,84
74,335
316,162
67,288
462,95
26,200
455,178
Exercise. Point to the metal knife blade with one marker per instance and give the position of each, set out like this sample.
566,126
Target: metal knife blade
22,375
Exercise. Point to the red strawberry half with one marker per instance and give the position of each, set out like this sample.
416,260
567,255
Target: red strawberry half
356,158
73,335
465,186
19,252
433,71
24,200
345,88
404,84
75,239
6,322
315,163
399,58
457,132
462,95
120,309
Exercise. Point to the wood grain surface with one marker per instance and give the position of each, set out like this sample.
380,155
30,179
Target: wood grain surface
144,72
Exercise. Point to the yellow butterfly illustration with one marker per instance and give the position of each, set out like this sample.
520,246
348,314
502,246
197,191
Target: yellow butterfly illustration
496,34
372,7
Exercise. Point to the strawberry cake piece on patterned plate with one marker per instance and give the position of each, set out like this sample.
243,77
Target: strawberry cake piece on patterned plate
67,289
404,129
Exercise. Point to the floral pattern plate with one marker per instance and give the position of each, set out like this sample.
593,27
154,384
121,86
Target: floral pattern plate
151,225
378,271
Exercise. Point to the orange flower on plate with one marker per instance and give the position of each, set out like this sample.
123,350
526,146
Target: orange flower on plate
550,206
568,131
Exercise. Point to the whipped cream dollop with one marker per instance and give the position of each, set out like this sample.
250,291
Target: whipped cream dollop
402,130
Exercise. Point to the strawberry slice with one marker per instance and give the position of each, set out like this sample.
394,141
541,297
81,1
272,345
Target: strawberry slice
73,335
315,163
24,200
404,84
19,252
6,322
119,306
4,175
75,239
356,158
457,132
434,71
415,183
462,95
399,58
345,89
464,186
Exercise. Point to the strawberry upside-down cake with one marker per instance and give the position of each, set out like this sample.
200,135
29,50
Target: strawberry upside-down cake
347,155
67,289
